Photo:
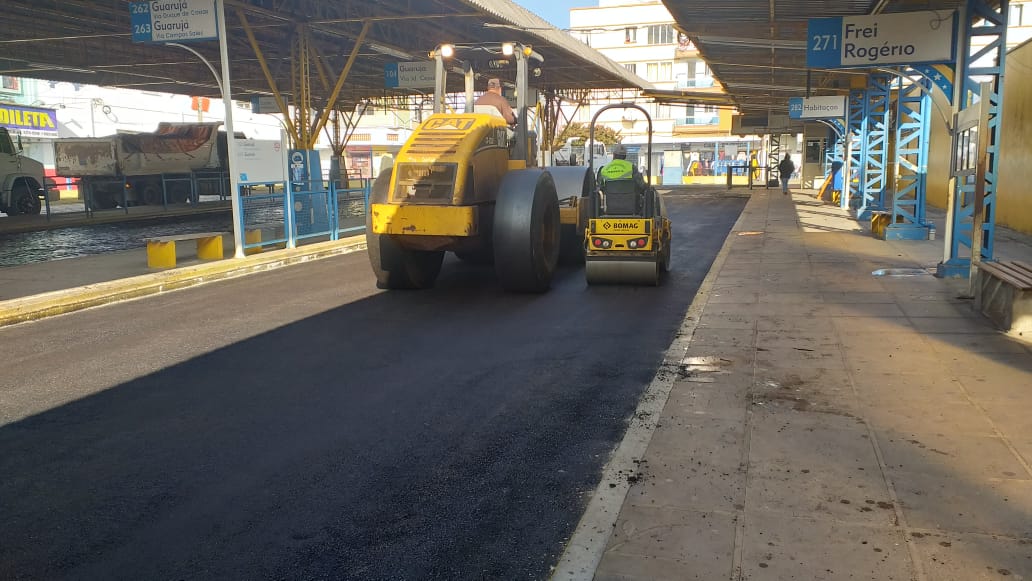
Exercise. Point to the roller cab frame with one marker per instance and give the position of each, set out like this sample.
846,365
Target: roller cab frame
628,235
463,183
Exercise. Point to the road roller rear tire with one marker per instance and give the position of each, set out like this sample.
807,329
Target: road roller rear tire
526,231
397,267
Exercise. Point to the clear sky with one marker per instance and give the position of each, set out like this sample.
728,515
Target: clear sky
556,12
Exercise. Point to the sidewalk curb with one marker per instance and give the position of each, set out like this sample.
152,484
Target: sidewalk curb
587,545
53,303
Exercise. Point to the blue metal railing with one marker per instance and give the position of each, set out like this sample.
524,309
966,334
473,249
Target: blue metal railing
294,211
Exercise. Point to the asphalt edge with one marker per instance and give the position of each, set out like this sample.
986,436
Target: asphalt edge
54,303
587,545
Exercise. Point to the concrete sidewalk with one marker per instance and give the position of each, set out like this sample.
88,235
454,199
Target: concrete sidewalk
829,424
35,291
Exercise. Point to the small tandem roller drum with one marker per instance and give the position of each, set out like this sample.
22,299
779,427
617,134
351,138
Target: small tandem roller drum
526,231
622,272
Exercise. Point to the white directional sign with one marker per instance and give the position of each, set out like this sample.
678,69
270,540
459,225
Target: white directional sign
816,107
417,75
902,38
260,161
173,20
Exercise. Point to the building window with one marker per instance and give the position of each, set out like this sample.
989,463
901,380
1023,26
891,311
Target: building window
630,35
666,71
1017,13
661,34
652,71
10,84
632,67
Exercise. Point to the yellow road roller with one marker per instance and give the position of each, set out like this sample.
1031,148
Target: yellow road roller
462,183
628,234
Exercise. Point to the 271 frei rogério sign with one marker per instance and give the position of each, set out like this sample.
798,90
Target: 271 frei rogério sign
905,38
173,20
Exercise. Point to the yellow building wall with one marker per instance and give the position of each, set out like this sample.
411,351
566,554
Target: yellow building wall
1014,199
939,146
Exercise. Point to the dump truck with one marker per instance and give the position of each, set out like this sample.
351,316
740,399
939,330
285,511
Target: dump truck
21,179
570,154
173,165
462,184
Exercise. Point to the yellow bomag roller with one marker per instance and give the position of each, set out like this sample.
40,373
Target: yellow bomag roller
458,185
628,234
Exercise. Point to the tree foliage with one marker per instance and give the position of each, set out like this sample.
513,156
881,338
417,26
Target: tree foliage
603,134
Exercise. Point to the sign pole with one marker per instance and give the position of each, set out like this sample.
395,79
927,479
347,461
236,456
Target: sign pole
227,101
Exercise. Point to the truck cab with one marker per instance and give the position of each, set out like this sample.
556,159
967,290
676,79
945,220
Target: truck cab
21,179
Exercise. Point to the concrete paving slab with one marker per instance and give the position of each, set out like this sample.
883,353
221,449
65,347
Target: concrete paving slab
850,297
821,466
966,557
661,543
723,337
727,321
784,547
952,325
935,498
967,455
884,327
909,417
701,465
791,357
791,298
799,339
777,322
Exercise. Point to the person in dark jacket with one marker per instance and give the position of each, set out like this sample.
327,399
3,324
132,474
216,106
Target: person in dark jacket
785,169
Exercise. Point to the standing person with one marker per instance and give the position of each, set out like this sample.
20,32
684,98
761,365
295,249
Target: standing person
786,168
494,98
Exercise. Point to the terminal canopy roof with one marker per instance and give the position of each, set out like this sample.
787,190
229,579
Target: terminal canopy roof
757,48
90,42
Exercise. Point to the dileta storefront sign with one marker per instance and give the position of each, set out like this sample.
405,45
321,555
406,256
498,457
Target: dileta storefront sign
28,121
816,107
173,20
417,75
905,38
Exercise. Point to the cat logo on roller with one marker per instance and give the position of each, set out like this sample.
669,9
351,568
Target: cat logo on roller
627,240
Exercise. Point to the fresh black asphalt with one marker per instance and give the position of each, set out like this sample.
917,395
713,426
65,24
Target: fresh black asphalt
300,424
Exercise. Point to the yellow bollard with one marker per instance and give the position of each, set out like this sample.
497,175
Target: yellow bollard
161,254
253,237
210,248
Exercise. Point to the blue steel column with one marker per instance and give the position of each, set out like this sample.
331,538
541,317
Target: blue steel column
913,127
876,144
986,26
857,136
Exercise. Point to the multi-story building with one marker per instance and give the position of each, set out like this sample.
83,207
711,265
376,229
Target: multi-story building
689,141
